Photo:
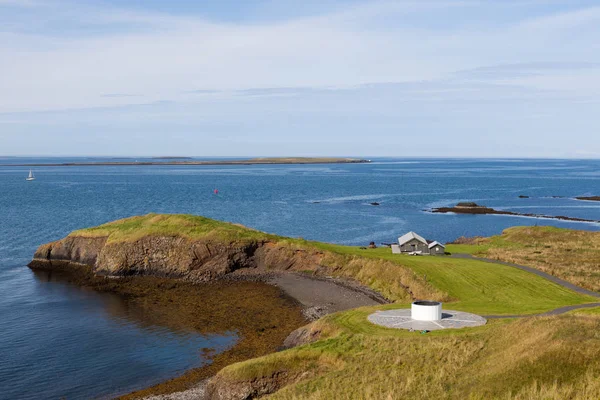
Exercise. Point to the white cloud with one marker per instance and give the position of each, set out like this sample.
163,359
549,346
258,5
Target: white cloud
162,55
424,65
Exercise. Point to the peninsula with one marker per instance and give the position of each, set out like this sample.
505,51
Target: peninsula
189,161
212,276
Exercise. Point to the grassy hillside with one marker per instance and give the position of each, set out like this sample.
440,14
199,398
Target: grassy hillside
568,254
393,280
549,358
471,285
477,286
189,226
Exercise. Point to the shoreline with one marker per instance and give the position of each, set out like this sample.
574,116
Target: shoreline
262,316
254,161
294,298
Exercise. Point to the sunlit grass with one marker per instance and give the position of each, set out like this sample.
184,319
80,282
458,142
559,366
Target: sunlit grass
568,254
550,358
470,285
477,286
184,225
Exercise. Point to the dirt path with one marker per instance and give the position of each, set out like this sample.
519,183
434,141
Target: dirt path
321,296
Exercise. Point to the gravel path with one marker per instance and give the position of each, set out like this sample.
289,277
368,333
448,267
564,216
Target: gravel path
322,296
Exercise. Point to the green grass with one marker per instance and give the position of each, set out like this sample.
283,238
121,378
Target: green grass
471,285
572,255
466,248
550,358
477,286
539,358
588,311
355,322
189,226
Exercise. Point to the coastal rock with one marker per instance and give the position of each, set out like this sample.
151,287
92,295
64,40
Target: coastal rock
77,250
173,257
219,388
301,336
588,198
474,208
468,204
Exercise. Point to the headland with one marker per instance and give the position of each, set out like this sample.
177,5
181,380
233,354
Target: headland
175,261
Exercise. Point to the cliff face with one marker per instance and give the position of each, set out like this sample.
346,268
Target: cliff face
201,249
77,250
176,257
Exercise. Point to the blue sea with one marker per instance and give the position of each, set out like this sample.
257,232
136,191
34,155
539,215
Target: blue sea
58,340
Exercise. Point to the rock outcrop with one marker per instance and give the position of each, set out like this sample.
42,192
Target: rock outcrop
301,336
174,257
473,208
219,388
588,198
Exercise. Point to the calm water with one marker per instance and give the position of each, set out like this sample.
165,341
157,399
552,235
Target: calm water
60,340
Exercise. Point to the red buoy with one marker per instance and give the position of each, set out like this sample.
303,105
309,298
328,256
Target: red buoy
216,191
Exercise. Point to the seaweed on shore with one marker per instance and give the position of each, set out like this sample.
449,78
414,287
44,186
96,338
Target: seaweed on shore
261,315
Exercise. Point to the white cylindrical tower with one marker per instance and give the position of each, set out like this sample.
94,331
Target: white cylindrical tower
424,310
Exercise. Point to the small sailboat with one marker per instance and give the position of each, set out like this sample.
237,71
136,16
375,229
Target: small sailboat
30,177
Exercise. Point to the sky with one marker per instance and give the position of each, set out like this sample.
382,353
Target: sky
423,78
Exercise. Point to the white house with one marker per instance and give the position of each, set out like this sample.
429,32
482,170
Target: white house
412,243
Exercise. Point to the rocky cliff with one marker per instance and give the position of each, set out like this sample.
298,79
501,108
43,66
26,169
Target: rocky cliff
199,249
197,260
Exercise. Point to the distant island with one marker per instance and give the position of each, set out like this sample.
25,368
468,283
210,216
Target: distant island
172,158
189,161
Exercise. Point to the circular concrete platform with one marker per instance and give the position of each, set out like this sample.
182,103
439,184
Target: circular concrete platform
401,319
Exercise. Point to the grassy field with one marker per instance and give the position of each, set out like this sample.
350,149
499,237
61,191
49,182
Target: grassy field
477,286
549,358
568,254
184,225
539,358
592,311
470,285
